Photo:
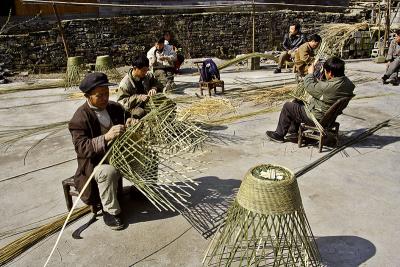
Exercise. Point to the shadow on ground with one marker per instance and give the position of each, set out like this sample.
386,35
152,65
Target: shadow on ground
209,204
373,141
349,251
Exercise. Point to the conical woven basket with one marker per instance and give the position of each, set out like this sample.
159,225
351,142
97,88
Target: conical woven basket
154,154
266,225
75,71
105,64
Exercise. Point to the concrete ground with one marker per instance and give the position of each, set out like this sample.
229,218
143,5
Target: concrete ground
351,201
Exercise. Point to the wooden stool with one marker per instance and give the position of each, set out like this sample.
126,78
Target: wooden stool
70,191
210,86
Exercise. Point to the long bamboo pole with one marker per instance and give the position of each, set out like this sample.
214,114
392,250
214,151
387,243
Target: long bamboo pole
61,29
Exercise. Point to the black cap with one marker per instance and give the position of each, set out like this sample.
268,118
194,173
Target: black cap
93,80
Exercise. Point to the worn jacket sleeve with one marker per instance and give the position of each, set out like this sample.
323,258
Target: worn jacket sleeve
129,99
285,42
313,87
84,145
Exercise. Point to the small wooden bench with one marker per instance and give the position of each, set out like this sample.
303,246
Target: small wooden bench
210,85
70,191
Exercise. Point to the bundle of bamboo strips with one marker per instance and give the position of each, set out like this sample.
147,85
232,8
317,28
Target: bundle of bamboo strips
14,249
105,64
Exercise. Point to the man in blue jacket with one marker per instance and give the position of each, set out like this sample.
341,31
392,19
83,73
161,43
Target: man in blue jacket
291,42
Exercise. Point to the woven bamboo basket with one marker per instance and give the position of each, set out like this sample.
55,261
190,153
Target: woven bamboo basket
105,64
75,69
266,225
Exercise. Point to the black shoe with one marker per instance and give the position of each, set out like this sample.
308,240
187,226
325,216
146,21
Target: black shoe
291,137
384,79
277,70
395,82
113,221
273,136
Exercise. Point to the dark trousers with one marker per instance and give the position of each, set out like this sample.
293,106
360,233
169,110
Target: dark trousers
292,114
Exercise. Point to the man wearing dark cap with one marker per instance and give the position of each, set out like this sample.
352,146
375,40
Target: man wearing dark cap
94,125
137,86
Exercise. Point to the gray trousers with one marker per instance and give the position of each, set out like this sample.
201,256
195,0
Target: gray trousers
107,178
393,68
284,56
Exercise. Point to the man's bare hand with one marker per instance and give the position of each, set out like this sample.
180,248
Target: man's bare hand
131,121
143,97
311,69
114,132
152,92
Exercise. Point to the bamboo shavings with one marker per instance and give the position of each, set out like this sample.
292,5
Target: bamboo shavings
207,108
14,249
271,96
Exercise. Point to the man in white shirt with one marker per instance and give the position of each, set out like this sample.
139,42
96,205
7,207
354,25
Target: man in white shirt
161,58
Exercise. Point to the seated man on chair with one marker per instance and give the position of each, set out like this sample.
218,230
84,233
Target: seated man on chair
137,86
291,43
305,54
323,95
94,125
162,59
393,58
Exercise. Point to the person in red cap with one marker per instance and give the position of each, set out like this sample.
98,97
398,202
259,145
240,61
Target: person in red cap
93,126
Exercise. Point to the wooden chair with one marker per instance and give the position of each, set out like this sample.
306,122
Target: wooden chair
70,191
210,85
328,125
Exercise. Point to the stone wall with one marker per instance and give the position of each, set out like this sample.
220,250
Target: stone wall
221,35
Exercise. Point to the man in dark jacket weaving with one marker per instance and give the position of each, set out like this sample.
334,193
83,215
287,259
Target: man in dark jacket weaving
291,43
323,95
94,125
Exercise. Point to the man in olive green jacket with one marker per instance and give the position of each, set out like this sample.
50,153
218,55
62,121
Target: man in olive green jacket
137,86
323,95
